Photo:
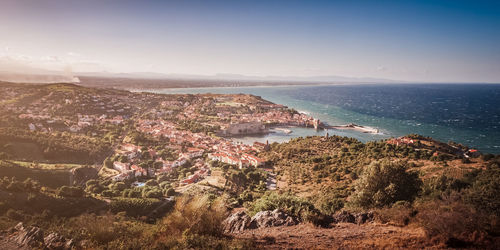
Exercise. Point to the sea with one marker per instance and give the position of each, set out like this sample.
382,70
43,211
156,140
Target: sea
465,113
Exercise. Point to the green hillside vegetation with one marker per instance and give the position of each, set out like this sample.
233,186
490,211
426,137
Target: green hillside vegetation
52,178
59,147
428,184
389,182
423,184
193,222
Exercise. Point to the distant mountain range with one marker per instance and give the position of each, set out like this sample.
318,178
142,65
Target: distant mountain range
27,74
239,77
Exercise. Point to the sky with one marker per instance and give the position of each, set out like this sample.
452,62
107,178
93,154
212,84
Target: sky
428,41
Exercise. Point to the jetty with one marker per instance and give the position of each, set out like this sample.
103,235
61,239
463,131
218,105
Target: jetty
355,127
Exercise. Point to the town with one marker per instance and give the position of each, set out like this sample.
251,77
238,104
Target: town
187,129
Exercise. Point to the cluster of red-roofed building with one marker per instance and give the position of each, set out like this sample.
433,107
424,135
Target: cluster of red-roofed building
219,149
400,141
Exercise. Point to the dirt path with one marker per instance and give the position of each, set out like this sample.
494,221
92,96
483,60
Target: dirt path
342,236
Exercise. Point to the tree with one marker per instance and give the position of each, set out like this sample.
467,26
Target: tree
153,193
484,193
170,192
108,163
119,186
385,182
151,183
67,191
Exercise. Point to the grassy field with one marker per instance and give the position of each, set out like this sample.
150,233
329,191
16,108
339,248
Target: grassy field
52,178
27,151
46,166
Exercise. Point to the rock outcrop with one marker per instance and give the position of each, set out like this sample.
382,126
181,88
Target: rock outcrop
33,237
272,219
27,236
236,222
57,242
240,221
357,218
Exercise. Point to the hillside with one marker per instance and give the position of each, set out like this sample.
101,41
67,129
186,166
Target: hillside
154,169
312,165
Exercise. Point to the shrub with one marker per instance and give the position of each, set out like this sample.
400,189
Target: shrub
120,186
195,216
331,201
483,194
452,221
437,185
289,203
107,193
67,191
331,206
15,215
487,157
170,192
151,183
108,163
154,193
165,184
92,182
383,183
3,208
399,214
15,186
134,206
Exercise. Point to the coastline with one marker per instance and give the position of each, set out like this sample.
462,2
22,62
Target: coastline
388,125
356,131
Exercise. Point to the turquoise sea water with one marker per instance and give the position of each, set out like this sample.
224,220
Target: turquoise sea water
464,113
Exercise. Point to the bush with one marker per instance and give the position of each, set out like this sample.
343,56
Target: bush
108,163
454,222
332,206
289,203
15,215
487,157
120,186
329,202
151,183
134,206
170,192
3,208
383,183
399,214
107,193
154,193
92,182
66,191
195,216
442,184
484,193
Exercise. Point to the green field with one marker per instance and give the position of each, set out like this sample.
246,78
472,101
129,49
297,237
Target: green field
52,178
47,166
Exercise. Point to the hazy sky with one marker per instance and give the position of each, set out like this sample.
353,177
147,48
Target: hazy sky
408,40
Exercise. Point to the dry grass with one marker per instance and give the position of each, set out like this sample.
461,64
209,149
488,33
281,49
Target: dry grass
451,221
196,215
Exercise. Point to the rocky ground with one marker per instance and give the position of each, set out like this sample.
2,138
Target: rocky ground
278,230
21,237
341,236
